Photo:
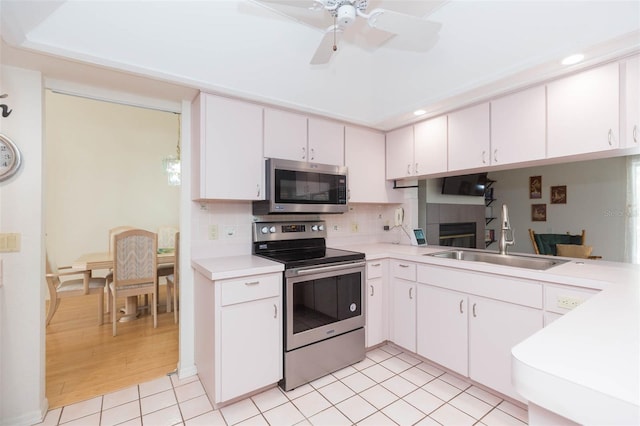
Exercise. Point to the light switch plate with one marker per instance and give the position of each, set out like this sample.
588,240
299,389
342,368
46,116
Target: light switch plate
9,242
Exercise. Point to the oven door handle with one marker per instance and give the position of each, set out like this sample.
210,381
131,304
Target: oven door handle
331,268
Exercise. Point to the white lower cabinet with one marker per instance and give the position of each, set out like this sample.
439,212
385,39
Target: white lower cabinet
377,325
403,304
443,328
494,328
470,334
238,334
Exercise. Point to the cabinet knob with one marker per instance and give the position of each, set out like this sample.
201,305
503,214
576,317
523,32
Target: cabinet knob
371,290
416,168
258,190
304,153
484,157
495,155
408,169
275,311
474,310
410,292
461,311
610,137
635,134
313,154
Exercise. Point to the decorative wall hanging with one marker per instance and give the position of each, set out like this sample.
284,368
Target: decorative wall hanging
5,108
559,194
538,212
535,187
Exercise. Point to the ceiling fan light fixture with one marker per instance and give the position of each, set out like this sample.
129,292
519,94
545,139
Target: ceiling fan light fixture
573,59
346,15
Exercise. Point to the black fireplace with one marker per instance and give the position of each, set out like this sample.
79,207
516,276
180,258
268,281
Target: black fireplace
458,234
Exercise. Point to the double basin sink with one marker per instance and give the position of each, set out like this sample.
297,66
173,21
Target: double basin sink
517,261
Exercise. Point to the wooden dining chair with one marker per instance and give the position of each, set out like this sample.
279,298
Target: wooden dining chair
166,242
109,277
71,287
173,281
135,270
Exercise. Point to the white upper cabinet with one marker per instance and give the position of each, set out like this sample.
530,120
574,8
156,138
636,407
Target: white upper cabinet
518,127
469,140
365,160
326,142
583,112
285,135
227,141
631,93
430,146
293,136
400,153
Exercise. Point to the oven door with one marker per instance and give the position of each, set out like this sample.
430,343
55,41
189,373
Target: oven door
322,302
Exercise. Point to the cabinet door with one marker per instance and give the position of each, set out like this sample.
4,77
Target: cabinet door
583,112
365,159
494,328
632,103
285,135
518,127
469,141
400,153
442,327
326,142
375,311
232,139
250,346
430,146
403,323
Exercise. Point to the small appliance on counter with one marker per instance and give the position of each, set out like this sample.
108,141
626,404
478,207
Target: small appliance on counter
323,298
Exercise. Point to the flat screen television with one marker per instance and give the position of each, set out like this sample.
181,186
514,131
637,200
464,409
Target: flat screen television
473,184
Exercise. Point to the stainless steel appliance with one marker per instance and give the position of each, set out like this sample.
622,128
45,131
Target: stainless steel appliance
301,187
324,313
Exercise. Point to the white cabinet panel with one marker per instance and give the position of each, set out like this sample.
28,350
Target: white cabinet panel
631,127
403,322
251,352
430,146
583,112
365,160
377,325
326,142
400,153
227,141
518,127
494,328
442,327
469,140
285,135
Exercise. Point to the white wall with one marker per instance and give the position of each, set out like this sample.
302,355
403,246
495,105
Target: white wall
596,199
22,308
103,169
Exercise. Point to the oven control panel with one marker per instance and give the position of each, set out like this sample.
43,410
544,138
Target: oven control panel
268,231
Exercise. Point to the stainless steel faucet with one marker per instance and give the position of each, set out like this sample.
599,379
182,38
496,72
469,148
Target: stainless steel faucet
505,226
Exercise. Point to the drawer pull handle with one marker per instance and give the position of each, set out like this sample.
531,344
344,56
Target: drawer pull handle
402,265
411,293
484,157
252,283
610,137
275,311
375,265
474,310
635,134
304,153
371,290
461,311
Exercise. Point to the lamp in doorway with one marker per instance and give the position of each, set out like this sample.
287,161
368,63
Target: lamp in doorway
171,164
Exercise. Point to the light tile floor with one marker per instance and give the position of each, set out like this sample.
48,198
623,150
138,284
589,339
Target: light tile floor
389,387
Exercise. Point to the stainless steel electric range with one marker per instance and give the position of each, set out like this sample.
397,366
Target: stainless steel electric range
324,313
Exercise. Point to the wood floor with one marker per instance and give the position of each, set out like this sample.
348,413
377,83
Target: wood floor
84,360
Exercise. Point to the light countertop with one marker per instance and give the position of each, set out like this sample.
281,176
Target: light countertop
220,268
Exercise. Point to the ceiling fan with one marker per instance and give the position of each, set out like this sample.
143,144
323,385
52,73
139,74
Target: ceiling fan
345,13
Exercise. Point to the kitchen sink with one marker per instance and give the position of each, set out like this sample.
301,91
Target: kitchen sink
517,261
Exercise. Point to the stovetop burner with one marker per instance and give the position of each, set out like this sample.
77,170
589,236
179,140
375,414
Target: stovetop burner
297,244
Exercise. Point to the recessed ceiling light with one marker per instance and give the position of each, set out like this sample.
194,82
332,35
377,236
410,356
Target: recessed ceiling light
419,112
573,59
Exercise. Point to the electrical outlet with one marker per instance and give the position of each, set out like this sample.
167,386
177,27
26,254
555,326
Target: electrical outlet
354,227
229,231
568,302
213,232
336,227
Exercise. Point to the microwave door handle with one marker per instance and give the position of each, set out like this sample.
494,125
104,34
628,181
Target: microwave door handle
328,268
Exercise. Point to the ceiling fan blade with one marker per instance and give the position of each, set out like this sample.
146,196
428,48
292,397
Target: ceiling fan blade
400,23
331,38
305,4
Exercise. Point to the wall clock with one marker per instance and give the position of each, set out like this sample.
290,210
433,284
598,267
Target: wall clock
10,159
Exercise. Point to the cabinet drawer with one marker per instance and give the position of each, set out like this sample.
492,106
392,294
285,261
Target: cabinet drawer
404,270
250,288
374,269
561,299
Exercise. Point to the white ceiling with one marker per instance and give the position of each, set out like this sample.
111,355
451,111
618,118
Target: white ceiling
245,49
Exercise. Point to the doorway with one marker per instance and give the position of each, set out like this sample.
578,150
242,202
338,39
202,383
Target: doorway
104,168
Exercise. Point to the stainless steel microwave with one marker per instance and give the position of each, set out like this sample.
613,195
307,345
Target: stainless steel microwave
301,187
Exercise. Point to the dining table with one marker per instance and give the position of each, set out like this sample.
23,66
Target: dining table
104,260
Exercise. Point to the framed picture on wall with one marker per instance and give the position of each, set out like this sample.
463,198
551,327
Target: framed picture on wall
538,212
535,187
559,194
